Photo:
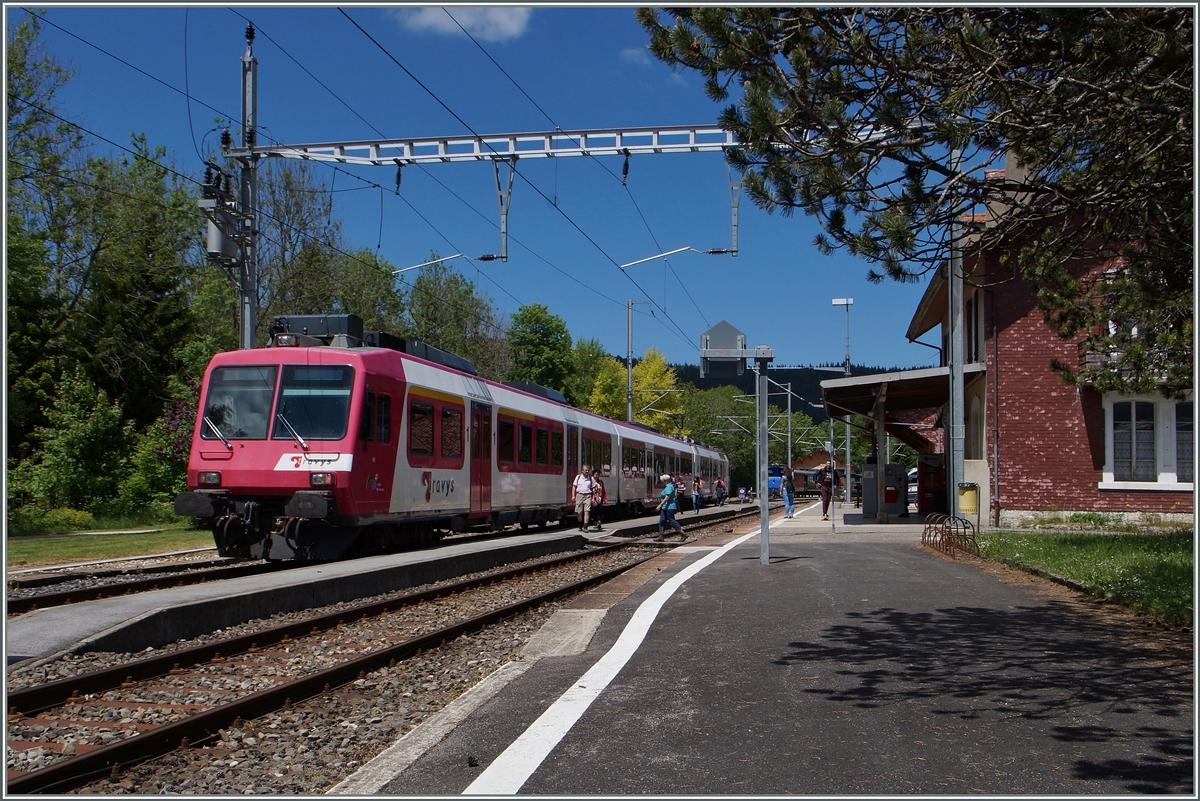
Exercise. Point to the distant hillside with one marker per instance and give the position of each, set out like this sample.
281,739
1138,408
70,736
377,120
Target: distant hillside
806,382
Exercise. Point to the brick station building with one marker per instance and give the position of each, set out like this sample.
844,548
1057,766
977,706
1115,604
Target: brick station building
1038,448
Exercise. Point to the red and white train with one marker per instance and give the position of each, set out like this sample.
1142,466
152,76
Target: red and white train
330,442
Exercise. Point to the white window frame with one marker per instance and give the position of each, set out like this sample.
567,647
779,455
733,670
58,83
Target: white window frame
1164,446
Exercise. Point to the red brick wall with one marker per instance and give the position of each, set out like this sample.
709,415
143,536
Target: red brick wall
1051,434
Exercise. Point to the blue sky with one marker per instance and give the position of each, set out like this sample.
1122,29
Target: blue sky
583,68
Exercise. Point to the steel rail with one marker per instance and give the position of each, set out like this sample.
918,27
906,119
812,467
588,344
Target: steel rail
73,772
17,606
30,700
73,575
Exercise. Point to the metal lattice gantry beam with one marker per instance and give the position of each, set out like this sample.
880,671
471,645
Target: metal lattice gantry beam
509,148
504,147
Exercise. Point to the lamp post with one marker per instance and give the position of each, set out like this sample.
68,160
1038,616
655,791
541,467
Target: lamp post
484,257
709,252
629,316
629,360
847,302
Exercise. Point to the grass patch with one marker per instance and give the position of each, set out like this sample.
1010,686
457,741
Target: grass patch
1151,573
39,552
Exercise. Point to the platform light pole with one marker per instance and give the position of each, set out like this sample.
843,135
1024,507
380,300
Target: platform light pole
847,302
629,359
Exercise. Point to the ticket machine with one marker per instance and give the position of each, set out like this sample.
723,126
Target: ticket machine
895,493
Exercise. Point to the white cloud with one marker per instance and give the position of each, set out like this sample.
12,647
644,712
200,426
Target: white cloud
636,55
495,24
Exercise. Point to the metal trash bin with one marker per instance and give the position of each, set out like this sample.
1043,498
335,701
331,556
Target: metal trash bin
968,499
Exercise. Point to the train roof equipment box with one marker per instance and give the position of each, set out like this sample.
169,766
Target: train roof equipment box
413,347
321,326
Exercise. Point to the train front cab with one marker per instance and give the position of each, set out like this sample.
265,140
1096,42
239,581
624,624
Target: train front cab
273,446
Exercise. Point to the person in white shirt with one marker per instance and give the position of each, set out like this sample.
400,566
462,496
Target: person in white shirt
581,495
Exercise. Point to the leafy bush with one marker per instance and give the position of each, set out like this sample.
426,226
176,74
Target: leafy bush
83,453
32,519
1088,519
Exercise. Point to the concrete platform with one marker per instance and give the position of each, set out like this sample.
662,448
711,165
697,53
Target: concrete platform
852,663
136,622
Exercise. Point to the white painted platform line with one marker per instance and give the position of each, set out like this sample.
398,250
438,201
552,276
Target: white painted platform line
512,769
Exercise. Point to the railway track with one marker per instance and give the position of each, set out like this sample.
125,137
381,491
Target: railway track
37,592
95,724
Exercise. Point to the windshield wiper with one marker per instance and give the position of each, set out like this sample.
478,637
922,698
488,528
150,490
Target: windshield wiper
217,431
292,431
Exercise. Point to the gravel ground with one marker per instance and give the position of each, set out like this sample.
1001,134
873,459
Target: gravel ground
314,744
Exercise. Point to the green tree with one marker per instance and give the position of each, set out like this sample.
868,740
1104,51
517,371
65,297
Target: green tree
131,307
586,359
851,116
655,403
82,457
540,346
446,310
31,342
305,264
40,149
608,389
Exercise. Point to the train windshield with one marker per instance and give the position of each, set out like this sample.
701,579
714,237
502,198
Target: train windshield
239,402
314,402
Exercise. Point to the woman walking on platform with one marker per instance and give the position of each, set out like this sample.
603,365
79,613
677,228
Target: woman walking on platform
666,509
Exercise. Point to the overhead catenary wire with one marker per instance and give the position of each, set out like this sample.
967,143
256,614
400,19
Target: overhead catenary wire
328,244
369,184
591,156
372,184
681,333
190,97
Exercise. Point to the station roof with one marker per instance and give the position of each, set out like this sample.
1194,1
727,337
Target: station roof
927,388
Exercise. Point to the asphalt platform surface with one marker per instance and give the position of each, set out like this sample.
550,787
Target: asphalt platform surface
855,663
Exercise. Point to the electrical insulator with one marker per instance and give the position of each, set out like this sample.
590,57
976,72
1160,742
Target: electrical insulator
625,169
250,34
226,139
399,170
251,137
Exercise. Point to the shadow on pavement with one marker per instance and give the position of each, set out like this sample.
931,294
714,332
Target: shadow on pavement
1044,664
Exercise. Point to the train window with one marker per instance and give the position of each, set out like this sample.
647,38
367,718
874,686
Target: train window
607,456
687,466
239,402
525,444
420,429
383,419
314,402
504,441
486,439
556,448
452,432
543,447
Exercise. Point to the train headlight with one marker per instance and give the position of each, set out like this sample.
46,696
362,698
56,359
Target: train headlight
209,478
286,340
324,480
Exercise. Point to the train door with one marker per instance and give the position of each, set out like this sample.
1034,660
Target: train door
481,460
379,433
572,456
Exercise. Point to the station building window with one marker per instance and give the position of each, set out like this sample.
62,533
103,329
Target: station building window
1148,443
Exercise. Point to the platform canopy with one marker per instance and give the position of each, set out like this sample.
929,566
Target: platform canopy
873,396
